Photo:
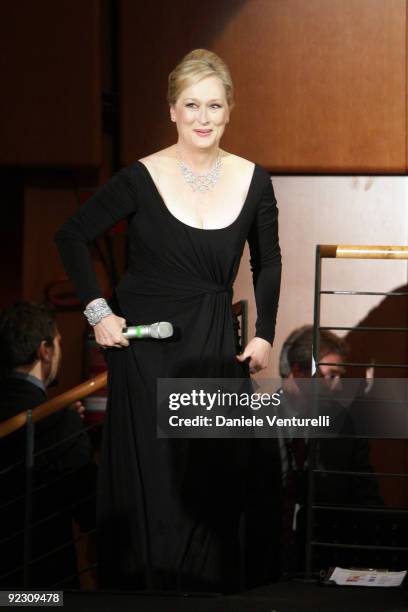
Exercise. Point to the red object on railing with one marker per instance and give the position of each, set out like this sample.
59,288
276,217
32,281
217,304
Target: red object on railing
61,297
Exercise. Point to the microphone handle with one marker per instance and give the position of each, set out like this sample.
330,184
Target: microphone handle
158,331
136,332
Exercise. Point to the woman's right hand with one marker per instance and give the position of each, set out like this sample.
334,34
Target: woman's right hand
108,332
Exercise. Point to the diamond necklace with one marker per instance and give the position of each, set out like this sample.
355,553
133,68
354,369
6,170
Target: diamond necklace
200,182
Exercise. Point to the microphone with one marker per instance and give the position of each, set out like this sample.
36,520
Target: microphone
158,331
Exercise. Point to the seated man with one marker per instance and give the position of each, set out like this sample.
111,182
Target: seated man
64,475
341,454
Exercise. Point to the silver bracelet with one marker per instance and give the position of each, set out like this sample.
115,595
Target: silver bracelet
97,311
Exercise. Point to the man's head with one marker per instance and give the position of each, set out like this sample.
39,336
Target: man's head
295,359
30,341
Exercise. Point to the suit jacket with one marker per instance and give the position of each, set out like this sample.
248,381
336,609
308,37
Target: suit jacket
64,480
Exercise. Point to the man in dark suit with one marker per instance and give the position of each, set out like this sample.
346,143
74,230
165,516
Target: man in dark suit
64,477
335,454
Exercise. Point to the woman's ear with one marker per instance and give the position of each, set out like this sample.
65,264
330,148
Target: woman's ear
172,114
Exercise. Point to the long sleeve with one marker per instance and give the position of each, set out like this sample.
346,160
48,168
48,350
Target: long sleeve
265,261
115,200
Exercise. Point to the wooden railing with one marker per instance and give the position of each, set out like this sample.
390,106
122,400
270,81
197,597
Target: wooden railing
341,251
54,404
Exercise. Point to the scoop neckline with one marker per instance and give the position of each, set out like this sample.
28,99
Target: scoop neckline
193,227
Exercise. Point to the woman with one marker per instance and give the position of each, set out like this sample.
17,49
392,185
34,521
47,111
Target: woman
169,509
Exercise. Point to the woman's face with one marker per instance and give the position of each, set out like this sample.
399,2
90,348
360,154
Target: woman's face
201,113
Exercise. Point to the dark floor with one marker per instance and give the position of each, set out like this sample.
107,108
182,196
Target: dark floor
282,597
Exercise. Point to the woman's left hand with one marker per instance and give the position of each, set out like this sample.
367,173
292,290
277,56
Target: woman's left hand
258,350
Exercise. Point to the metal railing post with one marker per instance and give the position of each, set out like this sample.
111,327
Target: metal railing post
311,457
29,468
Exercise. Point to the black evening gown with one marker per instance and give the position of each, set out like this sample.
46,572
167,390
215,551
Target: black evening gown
169,510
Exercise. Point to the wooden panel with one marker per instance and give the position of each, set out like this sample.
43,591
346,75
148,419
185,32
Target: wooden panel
50,62
406,99
166,33
320,86
326,83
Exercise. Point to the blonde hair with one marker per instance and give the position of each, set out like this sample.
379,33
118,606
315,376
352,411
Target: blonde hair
196,66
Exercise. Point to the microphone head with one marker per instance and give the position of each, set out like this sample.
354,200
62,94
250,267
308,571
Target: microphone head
161,330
